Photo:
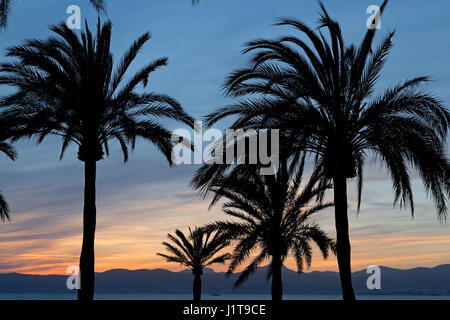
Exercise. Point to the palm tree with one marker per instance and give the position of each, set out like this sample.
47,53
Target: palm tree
5,10
322,91
197,251
9,151
270,217
67,86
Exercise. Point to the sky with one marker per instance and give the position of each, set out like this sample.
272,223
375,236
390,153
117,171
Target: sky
141,201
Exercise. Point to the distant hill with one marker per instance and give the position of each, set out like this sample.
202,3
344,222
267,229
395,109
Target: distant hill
433,281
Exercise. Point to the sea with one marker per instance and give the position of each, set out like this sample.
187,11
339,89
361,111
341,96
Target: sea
144,296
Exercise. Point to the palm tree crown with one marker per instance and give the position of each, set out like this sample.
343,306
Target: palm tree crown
67,87
326,97
323,91
271,214
9,151
197,251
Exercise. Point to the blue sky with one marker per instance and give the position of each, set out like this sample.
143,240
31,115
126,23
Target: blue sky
139,202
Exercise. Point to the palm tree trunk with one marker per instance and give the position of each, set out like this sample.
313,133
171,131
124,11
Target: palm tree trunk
197,288
87,258
277,282
343,249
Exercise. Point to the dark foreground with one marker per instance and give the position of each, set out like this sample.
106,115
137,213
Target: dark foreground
229,309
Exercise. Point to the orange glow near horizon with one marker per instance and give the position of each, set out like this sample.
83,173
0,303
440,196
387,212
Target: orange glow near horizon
54,259
42,242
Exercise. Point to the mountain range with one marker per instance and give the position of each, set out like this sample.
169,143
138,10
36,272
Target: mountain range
420,281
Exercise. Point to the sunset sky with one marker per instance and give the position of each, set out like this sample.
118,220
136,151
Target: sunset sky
141,201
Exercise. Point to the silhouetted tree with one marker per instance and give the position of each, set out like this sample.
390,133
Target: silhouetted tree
9,151
5,10
271,218
67,86
197,251
322,91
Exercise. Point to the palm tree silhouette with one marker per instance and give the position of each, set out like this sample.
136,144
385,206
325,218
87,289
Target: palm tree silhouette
5,10
197,251
271,214
9,151
66,86
323,93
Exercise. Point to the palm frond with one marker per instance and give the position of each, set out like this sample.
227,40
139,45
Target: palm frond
4,209
197,250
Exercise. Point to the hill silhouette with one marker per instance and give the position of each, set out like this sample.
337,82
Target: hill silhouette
433,281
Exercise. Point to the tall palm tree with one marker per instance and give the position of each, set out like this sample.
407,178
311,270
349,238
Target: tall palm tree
270,218
67,86
197,251
9,151
322,91
5,10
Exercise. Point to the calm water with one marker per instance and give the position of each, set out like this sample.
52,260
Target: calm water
131,296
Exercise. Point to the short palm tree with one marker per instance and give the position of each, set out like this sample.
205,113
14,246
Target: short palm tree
9,151
197,251
270,218
67,86
5,10
322,91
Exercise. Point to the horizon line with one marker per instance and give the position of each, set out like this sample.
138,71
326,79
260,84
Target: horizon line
218,272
